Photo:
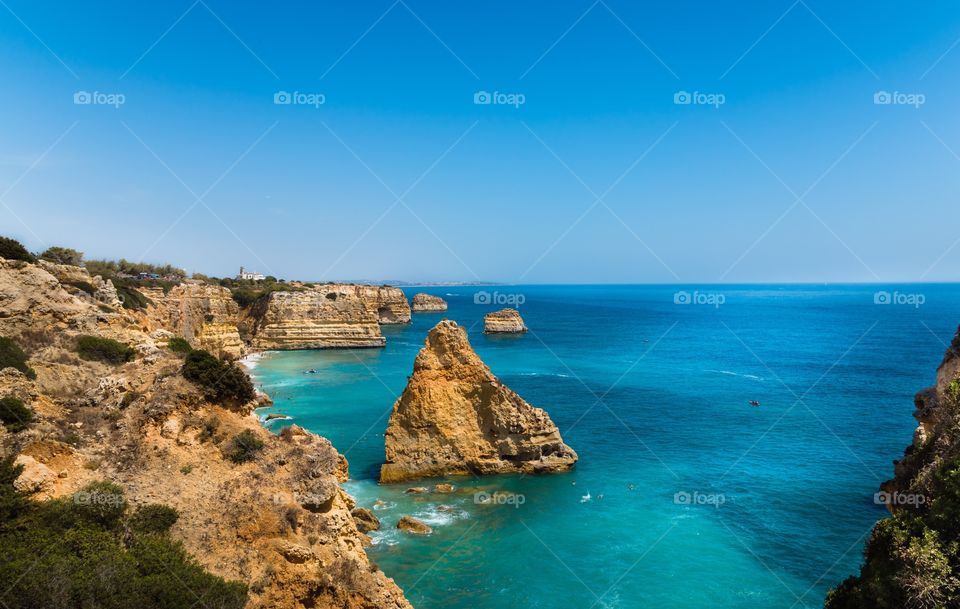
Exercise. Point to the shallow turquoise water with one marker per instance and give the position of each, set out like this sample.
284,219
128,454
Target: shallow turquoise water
654,396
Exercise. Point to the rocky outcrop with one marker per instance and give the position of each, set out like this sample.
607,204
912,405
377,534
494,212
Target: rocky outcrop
389,303
365,519
205,315
505,321
911,558
323,317
413,525
428,303
456,417
278,522
33,299
77,281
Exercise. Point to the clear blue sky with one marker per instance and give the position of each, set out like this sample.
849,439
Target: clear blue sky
490,191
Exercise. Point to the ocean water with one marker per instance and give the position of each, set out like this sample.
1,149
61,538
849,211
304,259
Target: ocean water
697,498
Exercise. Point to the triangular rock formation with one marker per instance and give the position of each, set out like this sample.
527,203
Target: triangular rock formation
456,417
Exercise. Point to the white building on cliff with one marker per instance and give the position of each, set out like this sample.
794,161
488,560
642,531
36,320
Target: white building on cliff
253,275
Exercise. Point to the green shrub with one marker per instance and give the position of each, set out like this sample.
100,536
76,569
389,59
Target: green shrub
104,350
102,503
153,518
59,554
244,447
14,415
130,297
220,381
63,255
12,356
11,249
84,286
179,345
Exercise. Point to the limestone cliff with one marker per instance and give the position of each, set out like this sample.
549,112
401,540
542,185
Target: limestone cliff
505,321
326,316
278,522
428,303
912,559
456,417
77,281
205,315
389,303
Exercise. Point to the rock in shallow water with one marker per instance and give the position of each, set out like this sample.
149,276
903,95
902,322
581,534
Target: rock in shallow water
412,525
456,417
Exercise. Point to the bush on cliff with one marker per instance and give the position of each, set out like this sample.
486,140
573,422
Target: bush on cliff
130,297
101,349
153,518
244,447
11,249
179,345
62,553
221,382
14,415
62,255
12,356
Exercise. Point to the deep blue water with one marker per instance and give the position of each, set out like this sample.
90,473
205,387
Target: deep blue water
654,396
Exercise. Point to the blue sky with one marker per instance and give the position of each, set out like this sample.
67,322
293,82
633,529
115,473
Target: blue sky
598,176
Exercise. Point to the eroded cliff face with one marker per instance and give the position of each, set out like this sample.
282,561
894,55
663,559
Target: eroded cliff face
77,281
428,303
205,315
323,317
456,417
279,522
505,321
390,303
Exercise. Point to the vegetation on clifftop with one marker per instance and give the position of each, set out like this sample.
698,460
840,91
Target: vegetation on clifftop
11,249
85,551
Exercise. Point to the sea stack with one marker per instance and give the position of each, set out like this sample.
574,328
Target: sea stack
428,303
505,321
455,417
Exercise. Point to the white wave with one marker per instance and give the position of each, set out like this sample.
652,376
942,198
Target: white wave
250,361
752,377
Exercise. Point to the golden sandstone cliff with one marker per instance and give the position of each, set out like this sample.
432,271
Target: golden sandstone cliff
318,318
205,315
505,321
324,316
278,522
428,303
456,417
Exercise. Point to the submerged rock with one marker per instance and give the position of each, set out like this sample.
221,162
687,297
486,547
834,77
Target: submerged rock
428,303
456,417
505,321
412,525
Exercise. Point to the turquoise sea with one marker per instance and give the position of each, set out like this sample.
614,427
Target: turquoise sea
697,498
